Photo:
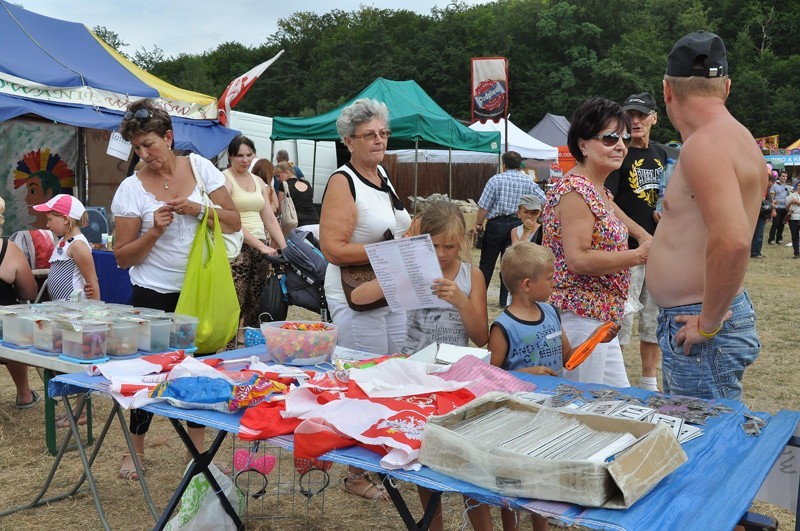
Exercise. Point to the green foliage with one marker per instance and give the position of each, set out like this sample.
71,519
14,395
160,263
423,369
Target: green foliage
560,52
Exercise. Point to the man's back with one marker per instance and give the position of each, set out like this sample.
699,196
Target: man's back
716,186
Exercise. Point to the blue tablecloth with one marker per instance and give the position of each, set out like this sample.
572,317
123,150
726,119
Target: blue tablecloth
711,491
115,283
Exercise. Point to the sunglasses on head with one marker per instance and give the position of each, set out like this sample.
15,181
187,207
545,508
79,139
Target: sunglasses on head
611,139
141,114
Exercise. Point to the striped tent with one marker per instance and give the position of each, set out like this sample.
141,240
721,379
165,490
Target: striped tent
62,71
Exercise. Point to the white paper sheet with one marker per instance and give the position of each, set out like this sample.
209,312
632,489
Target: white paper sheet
406,269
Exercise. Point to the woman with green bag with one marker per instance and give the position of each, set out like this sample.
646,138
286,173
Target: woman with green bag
158,212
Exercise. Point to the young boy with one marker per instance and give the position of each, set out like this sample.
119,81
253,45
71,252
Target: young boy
527,336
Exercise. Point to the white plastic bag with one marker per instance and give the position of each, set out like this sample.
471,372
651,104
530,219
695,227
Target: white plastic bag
201,510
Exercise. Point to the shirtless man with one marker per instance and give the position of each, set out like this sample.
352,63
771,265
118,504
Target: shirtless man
699,254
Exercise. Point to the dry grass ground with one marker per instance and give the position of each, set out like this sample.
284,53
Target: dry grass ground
773,383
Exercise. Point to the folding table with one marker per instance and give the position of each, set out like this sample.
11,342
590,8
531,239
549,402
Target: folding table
50,365
712,491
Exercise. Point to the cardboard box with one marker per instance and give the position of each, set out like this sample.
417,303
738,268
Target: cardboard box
446,354
617,484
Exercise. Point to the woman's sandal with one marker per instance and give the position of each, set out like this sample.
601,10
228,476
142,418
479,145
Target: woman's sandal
129,473
372,491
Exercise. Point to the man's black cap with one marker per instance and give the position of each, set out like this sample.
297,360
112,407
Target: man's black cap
699,54
643,102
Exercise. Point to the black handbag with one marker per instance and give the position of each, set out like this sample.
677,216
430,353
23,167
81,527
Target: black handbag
272,301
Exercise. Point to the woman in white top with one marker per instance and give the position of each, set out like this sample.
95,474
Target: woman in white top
251,197
157,212
359,207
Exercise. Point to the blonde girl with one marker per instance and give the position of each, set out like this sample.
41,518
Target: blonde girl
71,264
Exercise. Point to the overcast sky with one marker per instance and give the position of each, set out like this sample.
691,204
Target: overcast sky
195,26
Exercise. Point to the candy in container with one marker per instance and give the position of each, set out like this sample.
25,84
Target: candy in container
299,342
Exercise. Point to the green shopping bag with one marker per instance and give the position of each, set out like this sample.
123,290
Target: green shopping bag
208,292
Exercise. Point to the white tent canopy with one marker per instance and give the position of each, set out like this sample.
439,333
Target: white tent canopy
519,141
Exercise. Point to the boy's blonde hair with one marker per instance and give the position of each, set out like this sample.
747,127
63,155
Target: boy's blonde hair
524,260
444,217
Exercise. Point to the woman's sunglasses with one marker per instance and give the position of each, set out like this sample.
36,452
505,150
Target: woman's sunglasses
141,114
611,139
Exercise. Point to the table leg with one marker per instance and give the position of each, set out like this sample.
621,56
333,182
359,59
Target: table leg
50,430
87,464
405,513
200,462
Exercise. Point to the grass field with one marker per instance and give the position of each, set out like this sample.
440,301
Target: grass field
771,384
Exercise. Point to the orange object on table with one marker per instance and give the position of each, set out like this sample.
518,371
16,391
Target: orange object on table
587,347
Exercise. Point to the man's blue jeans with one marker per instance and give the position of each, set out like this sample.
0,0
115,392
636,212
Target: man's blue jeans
713,368
496,237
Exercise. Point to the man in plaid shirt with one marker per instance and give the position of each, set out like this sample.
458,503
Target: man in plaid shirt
498,204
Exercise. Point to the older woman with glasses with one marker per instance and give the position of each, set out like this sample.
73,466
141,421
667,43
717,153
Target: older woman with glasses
360,206
589,236
157,211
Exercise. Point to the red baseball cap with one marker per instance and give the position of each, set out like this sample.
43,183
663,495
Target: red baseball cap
64,204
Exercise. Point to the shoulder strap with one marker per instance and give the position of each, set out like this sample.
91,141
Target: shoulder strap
3,252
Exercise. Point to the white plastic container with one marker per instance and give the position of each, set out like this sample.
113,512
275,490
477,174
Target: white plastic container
154,332
18,328
183,332
84,340
123,337
46,334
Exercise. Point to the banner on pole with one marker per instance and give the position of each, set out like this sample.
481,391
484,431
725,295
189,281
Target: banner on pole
489,88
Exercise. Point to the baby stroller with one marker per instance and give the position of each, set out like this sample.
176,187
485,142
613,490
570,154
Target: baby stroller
301,269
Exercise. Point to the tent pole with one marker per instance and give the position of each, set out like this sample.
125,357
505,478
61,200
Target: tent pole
416,169
450,172
314,169
81,180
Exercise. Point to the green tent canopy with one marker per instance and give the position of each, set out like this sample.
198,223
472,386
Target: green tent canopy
414,117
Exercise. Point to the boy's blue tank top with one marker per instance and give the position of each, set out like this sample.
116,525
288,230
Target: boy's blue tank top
532,343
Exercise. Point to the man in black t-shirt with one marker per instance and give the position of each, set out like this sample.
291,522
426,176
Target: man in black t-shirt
635,190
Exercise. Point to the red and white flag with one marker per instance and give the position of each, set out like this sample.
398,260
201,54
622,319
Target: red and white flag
239,87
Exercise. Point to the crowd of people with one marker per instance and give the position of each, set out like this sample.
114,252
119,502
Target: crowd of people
591,250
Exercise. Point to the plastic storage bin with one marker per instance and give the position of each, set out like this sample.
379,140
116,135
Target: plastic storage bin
183,332
18,328
154,332
299,342
46,333
84,340
123,337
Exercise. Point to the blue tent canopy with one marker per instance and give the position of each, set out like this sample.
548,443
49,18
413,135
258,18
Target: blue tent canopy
61,71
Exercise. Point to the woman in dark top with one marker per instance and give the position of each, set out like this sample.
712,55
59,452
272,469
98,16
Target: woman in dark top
302,195
16,282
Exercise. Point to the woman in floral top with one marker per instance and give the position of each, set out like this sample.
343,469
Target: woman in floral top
589,237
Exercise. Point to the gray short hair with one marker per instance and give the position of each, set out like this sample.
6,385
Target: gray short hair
358,112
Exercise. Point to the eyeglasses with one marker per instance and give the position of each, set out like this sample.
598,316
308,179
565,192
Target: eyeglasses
372,135
141,114
611,139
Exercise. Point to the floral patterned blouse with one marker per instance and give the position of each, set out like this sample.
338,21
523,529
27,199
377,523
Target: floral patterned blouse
600,297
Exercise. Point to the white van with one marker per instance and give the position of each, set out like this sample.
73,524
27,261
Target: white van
316,167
